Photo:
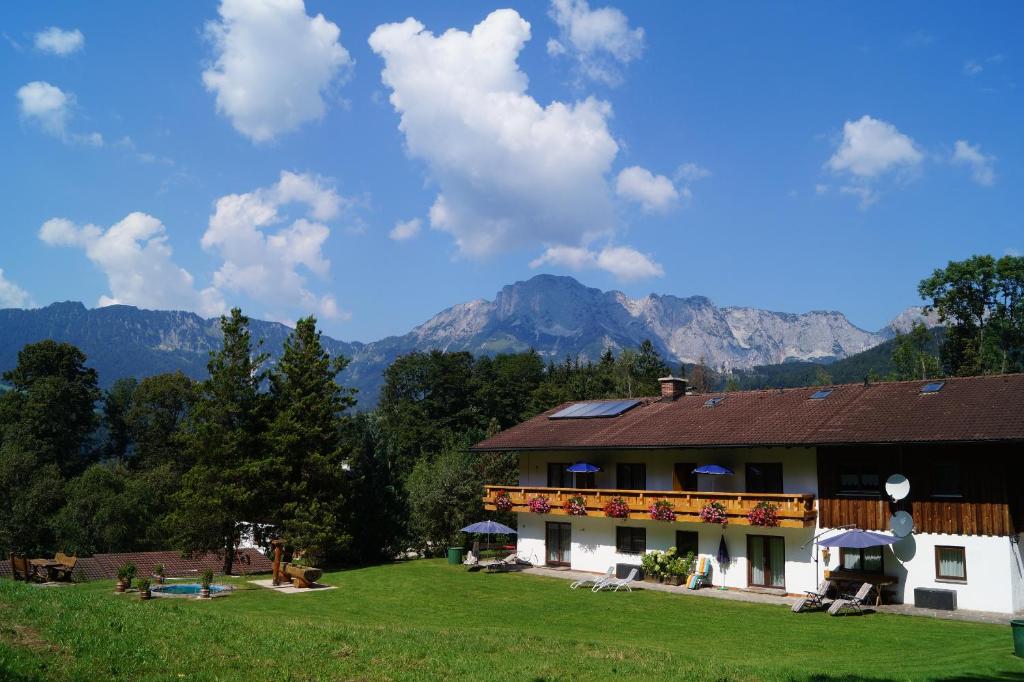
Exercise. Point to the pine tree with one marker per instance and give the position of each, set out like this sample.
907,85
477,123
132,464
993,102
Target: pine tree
225,490
305,440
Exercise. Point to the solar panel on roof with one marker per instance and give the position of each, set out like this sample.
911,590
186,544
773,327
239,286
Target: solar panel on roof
933,387
714,402
822,394
595,408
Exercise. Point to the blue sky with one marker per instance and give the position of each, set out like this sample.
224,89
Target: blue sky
255,153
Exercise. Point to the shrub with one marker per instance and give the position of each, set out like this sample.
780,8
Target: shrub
714,512
126,573
144,585
764,514
159,569
206,578
616,508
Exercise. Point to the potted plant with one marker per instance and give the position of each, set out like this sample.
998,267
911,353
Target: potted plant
125,574
714,512
160,573
616,508
676,571
539,505
661,510
503,502
764,514
144,592
576,506
649,564
205,580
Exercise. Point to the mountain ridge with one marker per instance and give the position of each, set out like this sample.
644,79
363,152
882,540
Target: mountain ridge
555,315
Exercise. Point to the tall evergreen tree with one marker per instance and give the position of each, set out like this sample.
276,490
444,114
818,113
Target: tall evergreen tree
225,490
911,356
306,441
117,402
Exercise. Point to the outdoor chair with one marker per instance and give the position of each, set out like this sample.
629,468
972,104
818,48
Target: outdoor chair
702,576
813,599
594,582
615,583
67,565
853,603
22,569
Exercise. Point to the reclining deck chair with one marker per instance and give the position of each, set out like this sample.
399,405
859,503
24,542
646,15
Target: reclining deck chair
702,576
854,603
595,580
813,599
615,583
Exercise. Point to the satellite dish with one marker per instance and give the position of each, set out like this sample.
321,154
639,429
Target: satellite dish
897,487
901,524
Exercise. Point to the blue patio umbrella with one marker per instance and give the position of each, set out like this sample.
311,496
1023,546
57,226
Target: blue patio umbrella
713,470
723,553
488,527
581,468
858,539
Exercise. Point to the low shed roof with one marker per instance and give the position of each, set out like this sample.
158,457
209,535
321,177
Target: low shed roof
965,409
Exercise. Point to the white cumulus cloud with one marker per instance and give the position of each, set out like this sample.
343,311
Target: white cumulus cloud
59,42
624,262
265,252
50,108
982,165
652,192
600,40
11,295
137,261
274,65
405,229
871,147
511,173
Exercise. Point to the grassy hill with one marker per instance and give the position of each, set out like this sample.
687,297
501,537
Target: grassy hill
875,361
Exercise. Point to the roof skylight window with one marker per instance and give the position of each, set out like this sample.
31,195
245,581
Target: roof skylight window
821,394
932,387
714,402
595,408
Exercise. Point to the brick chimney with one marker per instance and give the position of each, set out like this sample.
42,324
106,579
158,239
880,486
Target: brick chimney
672,388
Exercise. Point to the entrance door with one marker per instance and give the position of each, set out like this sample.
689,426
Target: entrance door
559,544
766,556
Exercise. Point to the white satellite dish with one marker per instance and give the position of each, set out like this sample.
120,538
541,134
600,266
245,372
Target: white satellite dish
901,524
897,487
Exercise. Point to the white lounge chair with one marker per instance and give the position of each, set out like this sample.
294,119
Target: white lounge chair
471,559
813,599
855,602
595,581
615,583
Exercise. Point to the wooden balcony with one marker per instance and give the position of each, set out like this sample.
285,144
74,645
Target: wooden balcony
794,510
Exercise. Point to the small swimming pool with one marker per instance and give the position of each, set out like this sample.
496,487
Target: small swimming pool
187,590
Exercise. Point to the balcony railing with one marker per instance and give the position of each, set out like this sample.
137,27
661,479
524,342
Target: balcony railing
793,510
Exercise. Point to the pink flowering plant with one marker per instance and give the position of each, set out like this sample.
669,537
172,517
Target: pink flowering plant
539,505
616,508
662,511
503,502
764,514
714,512
576,506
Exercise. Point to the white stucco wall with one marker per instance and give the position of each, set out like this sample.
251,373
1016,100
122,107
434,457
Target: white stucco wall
993,570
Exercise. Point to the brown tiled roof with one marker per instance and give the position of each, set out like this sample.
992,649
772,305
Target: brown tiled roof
967,409
104,566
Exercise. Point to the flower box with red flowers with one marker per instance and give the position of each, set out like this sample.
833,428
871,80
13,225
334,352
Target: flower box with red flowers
616,508
576,506
714,512
539,505
764,514
503,502
662,511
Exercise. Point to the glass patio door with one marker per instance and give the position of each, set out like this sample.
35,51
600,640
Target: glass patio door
766,557
559,544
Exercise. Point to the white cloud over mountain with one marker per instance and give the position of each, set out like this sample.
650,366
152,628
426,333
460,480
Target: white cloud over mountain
511,173
57,41
600,40
982,165
274,65
11,295
268,264
50,108
405,229
624,262
653,192
869,149
137,261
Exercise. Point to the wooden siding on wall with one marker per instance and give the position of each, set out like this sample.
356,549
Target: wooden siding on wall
993,493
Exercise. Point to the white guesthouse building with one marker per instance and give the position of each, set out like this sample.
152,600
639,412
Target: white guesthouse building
821,457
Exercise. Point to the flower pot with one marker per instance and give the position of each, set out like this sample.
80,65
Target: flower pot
676,580
204,592
145,594
120,587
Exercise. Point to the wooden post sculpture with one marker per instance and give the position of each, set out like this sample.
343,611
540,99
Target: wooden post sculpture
298,576
278,546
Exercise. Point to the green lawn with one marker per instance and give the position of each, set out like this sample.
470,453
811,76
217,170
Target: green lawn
426,620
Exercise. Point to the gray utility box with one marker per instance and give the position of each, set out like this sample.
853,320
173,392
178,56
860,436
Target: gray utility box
935,599
622,571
